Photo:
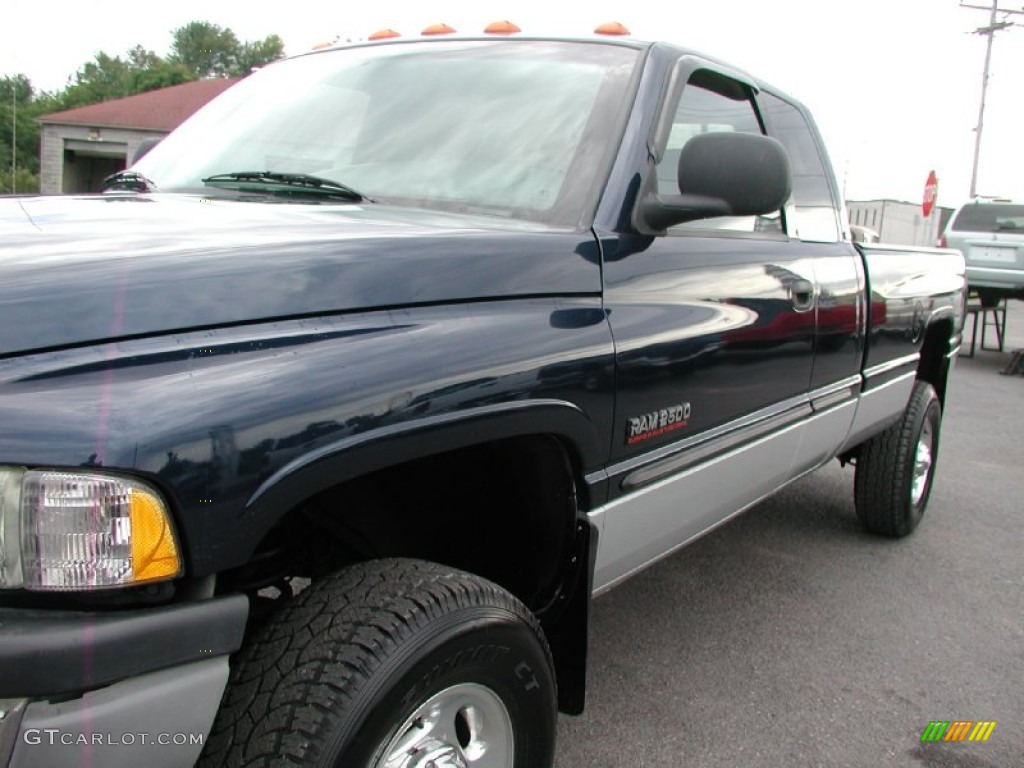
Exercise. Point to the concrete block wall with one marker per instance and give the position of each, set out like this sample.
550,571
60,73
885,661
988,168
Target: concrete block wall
113,142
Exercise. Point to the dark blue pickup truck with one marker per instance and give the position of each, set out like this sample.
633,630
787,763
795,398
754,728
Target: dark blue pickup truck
320,429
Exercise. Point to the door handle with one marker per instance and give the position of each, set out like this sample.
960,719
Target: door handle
802,293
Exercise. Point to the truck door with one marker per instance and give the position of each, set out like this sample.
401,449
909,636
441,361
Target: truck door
714,324
814,219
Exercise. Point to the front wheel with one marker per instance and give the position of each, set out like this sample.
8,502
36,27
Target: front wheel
392,664
896,467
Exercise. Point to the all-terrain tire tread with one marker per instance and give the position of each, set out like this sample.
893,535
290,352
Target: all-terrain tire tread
331,638
885,469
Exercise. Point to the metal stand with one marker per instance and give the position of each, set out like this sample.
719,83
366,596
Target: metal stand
994,316
1016,366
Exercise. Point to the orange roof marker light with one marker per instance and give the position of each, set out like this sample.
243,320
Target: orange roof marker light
612,28
438,29
325,44
384,34
501,28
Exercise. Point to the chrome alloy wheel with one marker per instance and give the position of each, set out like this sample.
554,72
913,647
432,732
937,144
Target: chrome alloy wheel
465,726
923,458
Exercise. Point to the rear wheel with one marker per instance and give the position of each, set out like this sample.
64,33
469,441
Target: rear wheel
896,467
392,664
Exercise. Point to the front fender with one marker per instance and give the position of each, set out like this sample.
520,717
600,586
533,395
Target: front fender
238,424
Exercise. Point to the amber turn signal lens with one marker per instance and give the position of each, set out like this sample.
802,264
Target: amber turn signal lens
501,28
438,29
154,551
611,28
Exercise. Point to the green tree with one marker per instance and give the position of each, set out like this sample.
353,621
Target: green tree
105,77
163,75
205,49
109,77
20,107
15,88
209,50
253,55
149,71
138,58
18,132
18,182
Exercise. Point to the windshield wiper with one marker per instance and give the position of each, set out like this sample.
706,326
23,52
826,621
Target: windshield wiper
303,180
130,180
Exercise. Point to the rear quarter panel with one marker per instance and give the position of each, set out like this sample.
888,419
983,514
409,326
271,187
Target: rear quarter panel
910,289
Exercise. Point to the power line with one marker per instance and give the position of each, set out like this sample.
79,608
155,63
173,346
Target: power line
990,32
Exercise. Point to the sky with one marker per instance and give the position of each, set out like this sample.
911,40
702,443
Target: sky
894,85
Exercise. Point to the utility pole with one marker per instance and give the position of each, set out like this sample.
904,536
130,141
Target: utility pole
14,139
990,32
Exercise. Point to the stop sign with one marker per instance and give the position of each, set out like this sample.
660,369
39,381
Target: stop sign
931,191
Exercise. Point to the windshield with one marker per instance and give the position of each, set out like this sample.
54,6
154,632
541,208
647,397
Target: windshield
521,128
990,217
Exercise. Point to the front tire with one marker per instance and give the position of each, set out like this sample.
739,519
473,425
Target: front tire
895,468
392,664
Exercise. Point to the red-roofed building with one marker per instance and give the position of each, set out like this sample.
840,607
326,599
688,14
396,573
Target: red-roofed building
82,146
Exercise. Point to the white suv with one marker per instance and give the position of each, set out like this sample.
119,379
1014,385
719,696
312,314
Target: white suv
990,234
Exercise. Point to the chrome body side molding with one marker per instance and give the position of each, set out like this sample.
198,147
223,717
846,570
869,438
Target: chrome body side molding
688,489
644,526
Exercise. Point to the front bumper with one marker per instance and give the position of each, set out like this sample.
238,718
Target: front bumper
129,688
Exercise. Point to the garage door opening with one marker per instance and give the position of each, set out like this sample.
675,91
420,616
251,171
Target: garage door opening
85,171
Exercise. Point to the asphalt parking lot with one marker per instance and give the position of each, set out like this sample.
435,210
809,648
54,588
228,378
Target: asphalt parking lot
790,637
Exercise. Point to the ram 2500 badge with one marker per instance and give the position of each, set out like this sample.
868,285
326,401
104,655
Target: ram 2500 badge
322,427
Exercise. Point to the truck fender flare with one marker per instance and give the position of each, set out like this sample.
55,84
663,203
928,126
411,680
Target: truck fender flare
940,314
358,455
366,452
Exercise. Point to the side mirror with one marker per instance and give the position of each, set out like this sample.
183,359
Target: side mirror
723,174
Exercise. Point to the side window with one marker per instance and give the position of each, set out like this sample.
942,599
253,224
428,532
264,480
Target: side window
815,208
704,108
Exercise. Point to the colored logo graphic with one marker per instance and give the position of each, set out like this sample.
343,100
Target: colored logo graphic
958,730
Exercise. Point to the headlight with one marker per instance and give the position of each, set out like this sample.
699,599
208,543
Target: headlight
78,530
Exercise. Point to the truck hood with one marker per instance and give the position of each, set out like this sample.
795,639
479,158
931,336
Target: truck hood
79,270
